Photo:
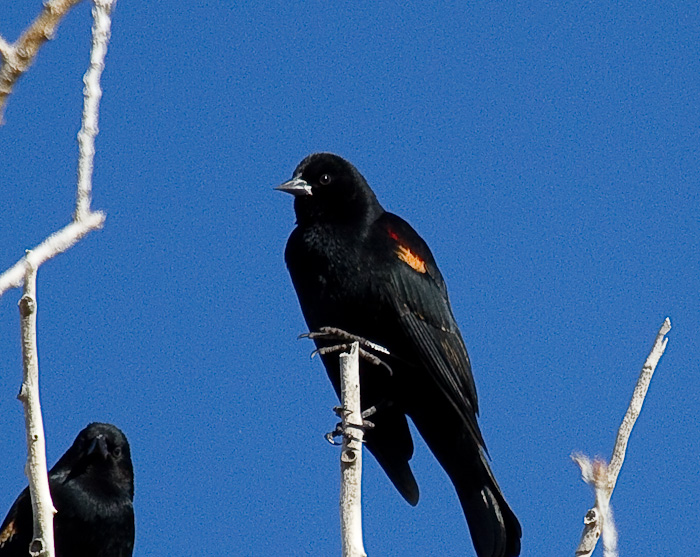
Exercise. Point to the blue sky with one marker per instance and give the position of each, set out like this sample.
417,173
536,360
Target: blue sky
547,153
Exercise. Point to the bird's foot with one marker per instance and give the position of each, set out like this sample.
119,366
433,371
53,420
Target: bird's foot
342,429
335,334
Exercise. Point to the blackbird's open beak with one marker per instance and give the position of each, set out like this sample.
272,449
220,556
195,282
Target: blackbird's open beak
296,186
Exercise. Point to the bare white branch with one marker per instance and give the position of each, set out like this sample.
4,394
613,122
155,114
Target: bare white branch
101,26
640,392
42,507
16,60
603,477
84,219
351,455
18,57
57,243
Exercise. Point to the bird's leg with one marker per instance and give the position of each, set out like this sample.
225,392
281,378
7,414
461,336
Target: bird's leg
335,334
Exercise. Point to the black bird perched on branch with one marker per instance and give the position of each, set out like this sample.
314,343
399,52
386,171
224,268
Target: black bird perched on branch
358,268
92,487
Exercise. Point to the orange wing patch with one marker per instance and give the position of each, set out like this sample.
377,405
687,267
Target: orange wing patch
8,533
407,256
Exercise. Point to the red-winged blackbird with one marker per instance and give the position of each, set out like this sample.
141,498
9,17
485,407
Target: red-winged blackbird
361,269
92,487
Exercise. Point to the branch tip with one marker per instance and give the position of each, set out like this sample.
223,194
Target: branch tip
603,476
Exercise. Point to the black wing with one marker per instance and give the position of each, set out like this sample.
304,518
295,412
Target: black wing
425,318
17,528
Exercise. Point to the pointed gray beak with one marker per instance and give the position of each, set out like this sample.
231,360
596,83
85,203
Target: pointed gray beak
99,446
295,186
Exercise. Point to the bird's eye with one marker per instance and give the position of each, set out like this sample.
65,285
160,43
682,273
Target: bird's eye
325,179
117,452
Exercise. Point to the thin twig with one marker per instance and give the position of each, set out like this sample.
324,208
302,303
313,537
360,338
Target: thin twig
18,57
101,26
640,392
57,243
602,476
42,507
84,218
351,455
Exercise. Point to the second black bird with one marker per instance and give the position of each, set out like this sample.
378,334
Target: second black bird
92,487
361,269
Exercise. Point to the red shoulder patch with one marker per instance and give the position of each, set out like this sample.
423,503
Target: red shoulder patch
406,255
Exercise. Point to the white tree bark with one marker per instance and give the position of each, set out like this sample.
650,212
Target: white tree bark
57,243
351,455
16,60
602,476
84,218
42,507
101,30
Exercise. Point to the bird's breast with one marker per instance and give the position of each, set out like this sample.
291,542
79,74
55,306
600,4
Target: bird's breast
331,271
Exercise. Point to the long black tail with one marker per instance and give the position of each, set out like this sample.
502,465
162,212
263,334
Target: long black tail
494,528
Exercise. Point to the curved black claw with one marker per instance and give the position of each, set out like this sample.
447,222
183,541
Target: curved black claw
341,430
332,435
333,333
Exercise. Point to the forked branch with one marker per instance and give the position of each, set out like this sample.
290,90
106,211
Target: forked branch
602,476
16,60
84,218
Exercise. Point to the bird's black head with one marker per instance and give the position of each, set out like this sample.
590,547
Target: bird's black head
327,188
100,456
